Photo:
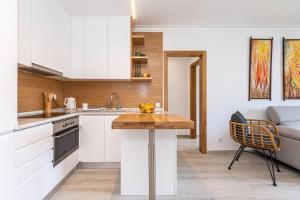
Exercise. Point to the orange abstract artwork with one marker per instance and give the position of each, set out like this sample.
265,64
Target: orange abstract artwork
260,68
291,88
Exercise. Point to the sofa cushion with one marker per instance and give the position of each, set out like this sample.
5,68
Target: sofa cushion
295,124
289,132
281,114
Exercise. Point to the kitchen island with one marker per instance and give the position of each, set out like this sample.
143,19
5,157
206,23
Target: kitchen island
149,153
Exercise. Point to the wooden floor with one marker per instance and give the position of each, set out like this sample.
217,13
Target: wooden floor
199,177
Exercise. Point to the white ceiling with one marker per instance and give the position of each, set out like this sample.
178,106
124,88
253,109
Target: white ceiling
195,12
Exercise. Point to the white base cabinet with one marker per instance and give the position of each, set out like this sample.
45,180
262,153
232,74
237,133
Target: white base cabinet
99,142
6,166
112,141
92,148
34,174
134,162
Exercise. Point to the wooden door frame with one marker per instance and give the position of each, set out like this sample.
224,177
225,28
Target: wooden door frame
202,89
193,96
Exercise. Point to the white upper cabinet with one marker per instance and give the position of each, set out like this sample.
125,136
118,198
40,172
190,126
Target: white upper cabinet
8,65
48,25
96,47
101,47
44,35
24,32
78,47
119,47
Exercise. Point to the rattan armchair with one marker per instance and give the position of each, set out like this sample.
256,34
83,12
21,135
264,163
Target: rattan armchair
257,134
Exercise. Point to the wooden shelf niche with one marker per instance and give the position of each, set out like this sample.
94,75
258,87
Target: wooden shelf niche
141,79
139,59
138,40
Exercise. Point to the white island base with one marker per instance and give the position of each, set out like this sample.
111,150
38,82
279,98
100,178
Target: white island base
134,162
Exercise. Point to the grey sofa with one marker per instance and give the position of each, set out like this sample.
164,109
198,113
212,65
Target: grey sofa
288,120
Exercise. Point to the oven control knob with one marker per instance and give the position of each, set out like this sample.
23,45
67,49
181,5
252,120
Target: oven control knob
64,124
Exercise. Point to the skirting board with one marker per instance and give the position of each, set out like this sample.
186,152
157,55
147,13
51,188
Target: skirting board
99,165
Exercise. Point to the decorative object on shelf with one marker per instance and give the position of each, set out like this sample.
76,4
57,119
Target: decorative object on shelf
147,107
291,69
146,75
260,68
137,70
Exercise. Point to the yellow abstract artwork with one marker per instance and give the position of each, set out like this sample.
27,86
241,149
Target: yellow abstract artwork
291,88
260,68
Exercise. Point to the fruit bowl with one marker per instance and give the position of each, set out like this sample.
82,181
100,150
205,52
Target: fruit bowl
147,107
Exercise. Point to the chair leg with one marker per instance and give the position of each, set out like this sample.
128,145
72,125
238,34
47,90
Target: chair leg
241,152
235,156
271,167
276,161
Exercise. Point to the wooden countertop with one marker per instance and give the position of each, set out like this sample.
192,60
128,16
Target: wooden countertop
152,121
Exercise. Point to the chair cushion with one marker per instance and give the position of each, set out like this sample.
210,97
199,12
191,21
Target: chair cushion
281,114
237,117
289,132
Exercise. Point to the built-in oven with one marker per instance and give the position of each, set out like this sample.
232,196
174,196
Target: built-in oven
66,138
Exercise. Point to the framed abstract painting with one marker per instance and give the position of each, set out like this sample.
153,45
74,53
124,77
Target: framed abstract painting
260,68
291,69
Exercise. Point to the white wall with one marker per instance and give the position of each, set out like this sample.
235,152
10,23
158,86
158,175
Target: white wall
179,88
227,72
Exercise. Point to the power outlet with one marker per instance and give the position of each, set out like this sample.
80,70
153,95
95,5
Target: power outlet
220,140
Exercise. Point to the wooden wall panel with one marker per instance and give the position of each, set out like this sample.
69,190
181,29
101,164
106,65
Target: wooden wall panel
131,93
31,88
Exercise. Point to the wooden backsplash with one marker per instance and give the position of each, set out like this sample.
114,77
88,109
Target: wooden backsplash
95,93
31,88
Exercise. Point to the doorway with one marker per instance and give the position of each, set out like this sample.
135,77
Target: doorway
201,62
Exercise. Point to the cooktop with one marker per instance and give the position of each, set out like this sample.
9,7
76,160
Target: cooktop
46,115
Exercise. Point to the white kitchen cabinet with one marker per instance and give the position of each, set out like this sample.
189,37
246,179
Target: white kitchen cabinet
93,138
67,56
112,140
95,47
8,65
24,32
7,166
119,47
43,181
44,35
78,47
34,174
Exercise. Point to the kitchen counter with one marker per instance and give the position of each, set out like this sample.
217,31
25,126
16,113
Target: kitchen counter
30,122
152,121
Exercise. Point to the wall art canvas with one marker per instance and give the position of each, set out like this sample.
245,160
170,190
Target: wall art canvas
291,68
260,68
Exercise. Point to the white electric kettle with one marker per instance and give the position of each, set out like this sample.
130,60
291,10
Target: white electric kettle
70,103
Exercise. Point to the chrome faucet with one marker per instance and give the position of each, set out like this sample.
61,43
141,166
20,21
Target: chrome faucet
113,99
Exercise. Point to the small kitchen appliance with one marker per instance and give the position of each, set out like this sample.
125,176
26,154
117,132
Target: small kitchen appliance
70,103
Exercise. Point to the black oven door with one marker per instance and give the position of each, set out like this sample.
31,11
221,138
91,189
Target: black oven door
65,143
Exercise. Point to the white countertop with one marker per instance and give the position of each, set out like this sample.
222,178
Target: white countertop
30,122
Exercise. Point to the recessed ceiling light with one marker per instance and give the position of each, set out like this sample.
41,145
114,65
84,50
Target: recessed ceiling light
133,13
